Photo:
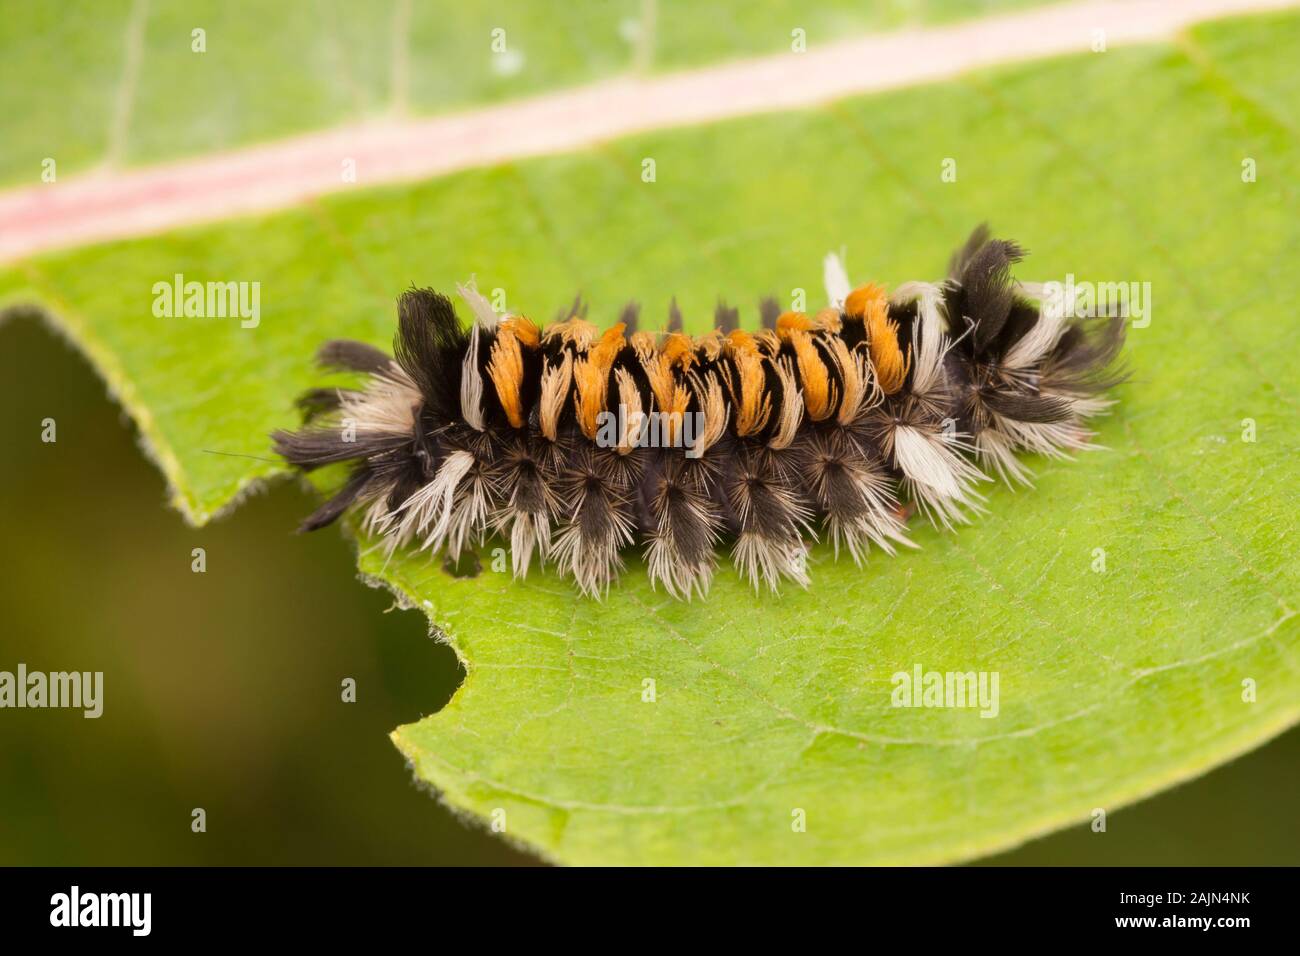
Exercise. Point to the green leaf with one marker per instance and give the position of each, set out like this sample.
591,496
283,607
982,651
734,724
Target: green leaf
141,92
1123,166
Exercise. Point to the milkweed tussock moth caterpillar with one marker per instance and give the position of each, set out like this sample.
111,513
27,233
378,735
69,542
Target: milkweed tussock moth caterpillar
820,424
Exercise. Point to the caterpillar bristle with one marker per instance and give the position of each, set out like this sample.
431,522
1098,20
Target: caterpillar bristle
349,356
725,318
680,550
571,444
674,317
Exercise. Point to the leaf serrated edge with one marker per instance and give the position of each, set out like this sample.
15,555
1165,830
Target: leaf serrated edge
68,325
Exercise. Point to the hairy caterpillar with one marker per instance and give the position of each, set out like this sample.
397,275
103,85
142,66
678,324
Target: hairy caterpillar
573,443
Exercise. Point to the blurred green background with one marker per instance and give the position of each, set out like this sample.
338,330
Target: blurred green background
222,689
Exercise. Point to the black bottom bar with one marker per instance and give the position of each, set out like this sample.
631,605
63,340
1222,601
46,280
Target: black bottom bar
929,906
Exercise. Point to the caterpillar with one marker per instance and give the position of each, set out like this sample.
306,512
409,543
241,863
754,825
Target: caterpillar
575,444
